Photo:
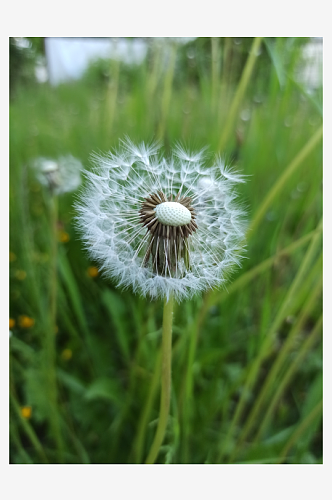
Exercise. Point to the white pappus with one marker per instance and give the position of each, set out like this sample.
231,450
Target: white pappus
161,226
61,175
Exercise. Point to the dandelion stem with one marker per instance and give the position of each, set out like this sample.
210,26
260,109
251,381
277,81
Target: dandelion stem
165,380
50,349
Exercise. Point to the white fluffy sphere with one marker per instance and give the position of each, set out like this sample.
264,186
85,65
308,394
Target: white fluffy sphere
110,219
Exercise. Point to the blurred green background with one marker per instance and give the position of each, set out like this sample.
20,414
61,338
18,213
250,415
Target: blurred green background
247,361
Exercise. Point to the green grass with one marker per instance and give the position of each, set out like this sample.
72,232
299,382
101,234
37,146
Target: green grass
247,361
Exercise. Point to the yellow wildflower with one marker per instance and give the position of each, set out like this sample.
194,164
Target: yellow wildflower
26,411
93,271
63,237
12,257
20,274
66,354
25,321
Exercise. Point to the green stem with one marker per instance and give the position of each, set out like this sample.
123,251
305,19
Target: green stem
315,412
154,74
50,347
166,98
240,91
278,186
253,417
214,71
144,419
111,97
268,340
165,380
53,281
225,79
15,437
297,282
187,389
305,349
213,298
30,433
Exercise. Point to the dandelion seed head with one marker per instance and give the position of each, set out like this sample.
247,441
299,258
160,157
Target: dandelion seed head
61,176
161,226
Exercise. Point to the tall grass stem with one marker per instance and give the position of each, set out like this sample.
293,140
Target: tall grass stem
111,98
30,433
144,418
302,427
215,68
166,97
215,297
153,75
305,349
240,91
253,417
279,185
266,345
187,387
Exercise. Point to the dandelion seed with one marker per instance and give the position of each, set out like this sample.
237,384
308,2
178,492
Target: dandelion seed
161,226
